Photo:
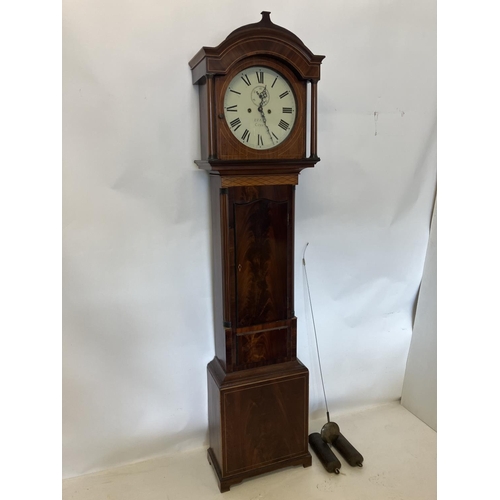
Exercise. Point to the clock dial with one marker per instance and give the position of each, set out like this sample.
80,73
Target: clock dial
259,107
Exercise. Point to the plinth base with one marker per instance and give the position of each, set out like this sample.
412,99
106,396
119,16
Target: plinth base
258,420
226,482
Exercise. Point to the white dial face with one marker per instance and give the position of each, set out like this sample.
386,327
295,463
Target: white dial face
259,107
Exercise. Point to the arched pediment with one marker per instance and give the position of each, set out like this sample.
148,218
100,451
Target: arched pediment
262,38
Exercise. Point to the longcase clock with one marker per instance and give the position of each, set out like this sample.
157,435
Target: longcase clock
253,108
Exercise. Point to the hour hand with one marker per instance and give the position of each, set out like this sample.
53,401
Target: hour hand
263,96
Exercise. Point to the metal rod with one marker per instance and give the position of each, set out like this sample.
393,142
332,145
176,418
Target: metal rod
315,334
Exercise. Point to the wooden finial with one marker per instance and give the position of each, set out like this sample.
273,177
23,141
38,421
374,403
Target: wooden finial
266,18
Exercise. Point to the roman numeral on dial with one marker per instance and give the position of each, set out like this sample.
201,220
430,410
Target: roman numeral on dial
260,142
283,124
245,136
284,94
287,110
235,123
246,80
233,108
260,76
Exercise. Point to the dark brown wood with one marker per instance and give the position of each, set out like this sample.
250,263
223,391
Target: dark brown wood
220,265
258,393
214,417
258,420
283,333
262,347
314,120
256,167
225,483
253,237
211,120
205,126
262,230
263,37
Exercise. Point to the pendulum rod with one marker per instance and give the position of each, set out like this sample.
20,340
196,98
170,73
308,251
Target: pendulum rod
314,328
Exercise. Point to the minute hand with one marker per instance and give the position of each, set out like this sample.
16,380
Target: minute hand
261,111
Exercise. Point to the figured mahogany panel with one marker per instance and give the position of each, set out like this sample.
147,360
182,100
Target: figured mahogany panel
261,235
262,347
253,254
264,423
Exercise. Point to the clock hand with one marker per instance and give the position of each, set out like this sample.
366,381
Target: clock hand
260,109
265,123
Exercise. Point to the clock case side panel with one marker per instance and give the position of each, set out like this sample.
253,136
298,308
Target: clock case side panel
222,292
293,147
203,99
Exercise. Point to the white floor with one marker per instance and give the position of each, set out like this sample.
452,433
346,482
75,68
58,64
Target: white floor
400,464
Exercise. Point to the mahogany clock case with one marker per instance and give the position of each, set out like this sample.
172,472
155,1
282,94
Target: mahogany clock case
258,391
258,394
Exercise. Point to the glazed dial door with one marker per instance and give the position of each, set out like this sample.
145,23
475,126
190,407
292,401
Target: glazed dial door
260,108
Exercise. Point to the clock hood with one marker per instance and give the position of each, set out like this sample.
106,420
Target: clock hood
263,37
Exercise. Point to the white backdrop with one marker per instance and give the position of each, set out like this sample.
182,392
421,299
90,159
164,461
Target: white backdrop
419,393
137,306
